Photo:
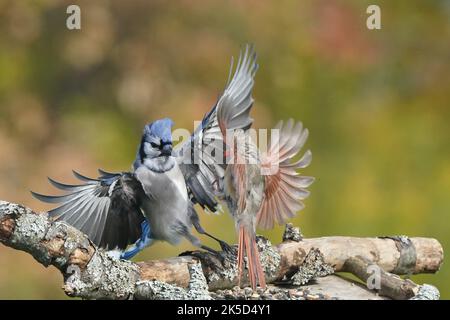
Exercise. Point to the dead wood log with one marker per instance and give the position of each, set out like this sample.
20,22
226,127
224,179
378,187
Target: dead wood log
90,273
385,283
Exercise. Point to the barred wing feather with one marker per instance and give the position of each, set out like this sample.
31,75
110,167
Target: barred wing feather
202,172
105,209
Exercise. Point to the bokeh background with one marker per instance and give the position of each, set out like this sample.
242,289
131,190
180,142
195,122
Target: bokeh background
376,103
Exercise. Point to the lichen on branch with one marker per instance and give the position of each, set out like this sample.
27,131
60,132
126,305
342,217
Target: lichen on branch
90,273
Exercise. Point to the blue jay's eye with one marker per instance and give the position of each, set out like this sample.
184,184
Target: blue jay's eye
154,145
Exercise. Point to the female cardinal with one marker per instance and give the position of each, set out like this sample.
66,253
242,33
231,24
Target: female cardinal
255,195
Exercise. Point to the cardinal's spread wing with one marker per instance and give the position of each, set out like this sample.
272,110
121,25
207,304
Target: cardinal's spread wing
203,168
284,187
106,209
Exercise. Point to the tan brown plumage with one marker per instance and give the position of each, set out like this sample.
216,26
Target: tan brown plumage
285,189
256,196
244,187
258,189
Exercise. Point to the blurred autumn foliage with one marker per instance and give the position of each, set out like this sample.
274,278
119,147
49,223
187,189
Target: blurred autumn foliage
376,103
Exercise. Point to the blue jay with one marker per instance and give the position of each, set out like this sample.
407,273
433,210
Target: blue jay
155,201
117,209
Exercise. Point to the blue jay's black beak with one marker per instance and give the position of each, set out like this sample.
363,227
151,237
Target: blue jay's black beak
166,150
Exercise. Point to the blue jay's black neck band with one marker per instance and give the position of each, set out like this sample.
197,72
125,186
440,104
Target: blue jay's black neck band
141,150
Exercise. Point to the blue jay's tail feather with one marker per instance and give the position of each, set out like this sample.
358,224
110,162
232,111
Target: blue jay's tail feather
144,241
130,253
247,246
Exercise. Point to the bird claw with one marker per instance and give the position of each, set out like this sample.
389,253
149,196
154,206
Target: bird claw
227,249
209,259
221,257
214,259
227,256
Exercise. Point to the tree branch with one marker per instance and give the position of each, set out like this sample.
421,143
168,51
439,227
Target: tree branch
90,273
387,284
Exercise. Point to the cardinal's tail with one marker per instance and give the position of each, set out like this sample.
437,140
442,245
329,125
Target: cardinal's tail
247,246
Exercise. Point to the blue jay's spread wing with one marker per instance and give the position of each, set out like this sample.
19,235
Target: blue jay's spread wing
284,189
204,170
106,209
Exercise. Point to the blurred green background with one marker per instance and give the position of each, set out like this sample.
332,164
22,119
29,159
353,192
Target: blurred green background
376,103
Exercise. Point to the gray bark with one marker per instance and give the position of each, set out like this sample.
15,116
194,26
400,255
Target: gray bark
91,274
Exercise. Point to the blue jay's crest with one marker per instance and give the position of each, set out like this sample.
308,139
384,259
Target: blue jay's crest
155,149
160,128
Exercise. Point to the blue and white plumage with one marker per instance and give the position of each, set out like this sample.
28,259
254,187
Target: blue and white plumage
117,209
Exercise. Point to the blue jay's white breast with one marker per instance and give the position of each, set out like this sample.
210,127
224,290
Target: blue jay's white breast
166,203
